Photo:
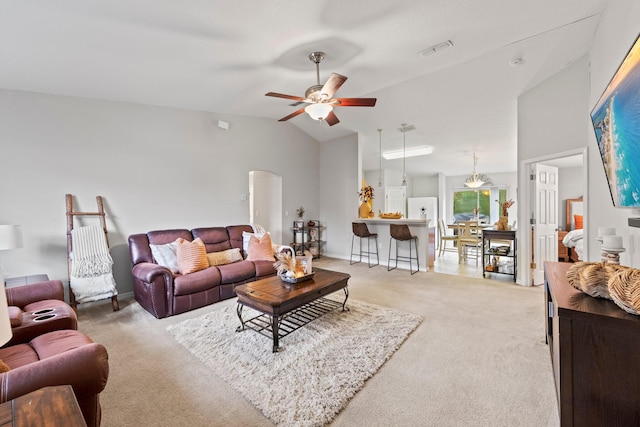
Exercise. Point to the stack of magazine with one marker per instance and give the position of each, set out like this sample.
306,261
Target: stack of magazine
500,250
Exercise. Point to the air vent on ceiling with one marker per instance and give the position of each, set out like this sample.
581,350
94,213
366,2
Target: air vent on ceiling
437,48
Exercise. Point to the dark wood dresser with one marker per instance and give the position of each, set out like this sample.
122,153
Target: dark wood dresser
595,352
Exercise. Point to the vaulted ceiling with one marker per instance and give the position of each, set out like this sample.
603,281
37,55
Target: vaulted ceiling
223,56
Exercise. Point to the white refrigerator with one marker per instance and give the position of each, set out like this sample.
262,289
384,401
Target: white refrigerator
422,208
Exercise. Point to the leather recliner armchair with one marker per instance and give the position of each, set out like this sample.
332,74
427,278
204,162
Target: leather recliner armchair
38,308
57,358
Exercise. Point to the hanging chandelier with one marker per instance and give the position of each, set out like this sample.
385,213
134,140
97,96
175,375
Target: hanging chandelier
476,179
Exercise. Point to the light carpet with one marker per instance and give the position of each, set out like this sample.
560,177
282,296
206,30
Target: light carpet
319,367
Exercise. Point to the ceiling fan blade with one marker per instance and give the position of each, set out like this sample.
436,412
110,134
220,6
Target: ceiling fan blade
332,85
356,102
282,95
295,113
332,119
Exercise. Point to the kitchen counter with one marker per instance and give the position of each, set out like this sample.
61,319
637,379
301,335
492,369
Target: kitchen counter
418,227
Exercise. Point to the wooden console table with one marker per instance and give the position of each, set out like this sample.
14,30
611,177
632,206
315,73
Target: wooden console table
594,349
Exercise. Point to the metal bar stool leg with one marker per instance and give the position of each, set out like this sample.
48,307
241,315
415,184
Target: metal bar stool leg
370,253
353,236
415,242
389,260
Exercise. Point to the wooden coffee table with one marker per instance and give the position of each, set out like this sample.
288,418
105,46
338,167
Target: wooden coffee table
286,307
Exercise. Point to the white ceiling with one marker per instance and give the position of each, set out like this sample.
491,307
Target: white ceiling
223,56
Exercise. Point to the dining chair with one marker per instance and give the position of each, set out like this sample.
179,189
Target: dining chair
469,241
444,238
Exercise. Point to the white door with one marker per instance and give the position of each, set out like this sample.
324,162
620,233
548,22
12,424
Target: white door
545,216
395,200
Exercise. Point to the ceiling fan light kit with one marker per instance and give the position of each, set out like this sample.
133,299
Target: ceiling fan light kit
318,111
320,97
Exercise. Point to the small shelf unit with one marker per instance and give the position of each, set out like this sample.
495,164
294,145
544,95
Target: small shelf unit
494,248
307,237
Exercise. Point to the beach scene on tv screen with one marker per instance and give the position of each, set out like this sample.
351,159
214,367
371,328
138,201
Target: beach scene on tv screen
616,121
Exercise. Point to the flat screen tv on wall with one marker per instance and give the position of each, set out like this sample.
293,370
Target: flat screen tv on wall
616,121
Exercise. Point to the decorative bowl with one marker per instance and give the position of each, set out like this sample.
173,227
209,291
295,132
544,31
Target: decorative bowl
394,215
298,279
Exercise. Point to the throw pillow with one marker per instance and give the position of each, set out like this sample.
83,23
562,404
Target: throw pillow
260,249
245,240
224,257
192,256
578,220
3,367
166,255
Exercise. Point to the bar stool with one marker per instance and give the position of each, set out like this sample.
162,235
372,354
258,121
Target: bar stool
401,233
361,230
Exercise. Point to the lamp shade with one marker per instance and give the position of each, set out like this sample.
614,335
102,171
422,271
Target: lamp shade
5,322
10,237
318,111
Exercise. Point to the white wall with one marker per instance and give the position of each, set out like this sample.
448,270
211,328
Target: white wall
425,186
155,167
552,119
617,30
553,116
339,186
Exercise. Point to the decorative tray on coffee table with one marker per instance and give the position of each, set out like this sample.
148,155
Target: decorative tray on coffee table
295,280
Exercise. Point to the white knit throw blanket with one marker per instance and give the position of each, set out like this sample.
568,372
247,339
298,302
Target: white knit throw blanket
91,265
91,255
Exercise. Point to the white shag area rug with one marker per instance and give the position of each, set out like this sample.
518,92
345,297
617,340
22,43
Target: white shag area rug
319,367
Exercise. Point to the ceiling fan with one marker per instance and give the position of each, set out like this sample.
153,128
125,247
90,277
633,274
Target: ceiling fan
320,98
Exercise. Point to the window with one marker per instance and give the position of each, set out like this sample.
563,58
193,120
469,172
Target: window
486,199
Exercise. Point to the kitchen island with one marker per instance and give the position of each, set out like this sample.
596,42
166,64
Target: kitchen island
419,227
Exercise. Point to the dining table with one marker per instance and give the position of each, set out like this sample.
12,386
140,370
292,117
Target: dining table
476,228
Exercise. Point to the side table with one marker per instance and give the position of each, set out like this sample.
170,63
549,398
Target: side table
51,406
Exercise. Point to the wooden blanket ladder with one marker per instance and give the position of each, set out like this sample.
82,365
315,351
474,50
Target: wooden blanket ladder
71,214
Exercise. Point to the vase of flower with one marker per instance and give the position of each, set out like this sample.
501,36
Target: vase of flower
366,197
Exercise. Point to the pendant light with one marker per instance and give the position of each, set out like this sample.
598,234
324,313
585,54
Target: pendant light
404,129
476,179
380,180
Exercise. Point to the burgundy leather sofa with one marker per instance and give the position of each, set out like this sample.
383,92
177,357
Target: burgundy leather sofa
163,293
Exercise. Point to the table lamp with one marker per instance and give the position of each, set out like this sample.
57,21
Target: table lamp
10,238
5,322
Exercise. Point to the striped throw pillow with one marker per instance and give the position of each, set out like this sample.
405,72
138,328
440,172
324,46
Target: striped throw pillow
260,249
224,257
192,256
